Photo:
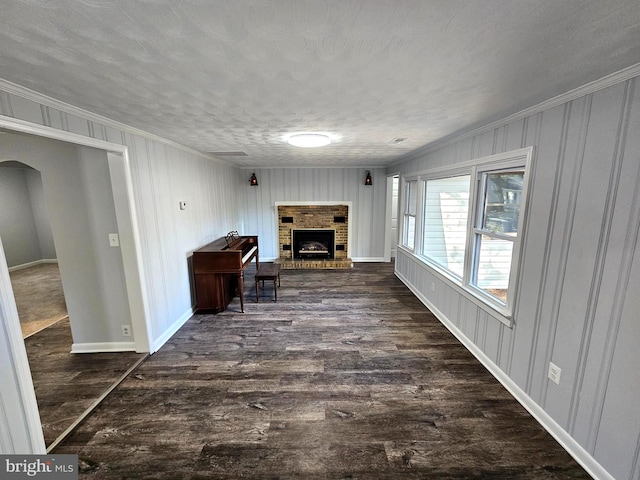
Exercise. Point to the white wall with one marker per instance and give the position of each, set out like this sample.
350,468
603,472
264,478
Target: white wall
578,296
24,220
316,184
163,176
17,224
40,215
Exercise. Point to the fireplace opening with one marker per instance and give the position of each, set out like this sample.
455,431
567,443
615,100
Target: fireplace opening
313,244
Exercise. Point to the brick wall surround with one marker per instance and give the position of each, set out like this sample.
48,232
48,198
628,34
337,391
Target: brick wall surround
313,216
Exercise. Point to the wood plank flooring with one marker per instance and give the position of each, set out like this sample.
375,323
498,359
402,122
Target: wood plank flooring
348,375
39,297
67,384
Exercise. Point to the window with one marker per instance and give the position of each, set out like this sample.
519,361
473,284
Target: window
410,210
446,209
468,224
496,231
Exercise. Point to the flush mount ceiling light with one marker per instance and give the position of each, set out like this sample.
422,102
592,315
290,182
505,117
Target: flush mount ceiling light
309,140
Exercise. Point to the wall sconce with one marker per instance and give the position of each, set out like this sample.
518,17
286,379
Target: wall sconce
253,181
367,180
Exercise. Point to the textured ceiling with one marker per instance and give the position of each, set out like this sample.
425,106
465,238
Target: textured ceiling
240,75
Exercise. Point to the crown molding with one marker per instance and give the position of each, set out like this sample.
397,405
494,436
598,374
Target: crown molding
592,87
20,91
36,129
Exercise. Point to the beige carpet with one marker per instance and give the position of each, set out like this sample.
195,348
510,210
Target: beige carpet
39,297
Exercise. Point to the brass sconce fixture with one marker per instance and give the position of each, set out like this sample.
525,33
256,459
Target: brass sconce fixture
367,180
253,181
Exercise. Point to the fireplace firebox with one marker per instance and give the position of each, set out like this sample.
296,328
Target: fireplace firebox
313,243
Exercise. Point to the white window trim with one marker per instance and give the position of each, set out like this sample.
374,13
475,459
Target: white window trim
405,199
520,158
514,161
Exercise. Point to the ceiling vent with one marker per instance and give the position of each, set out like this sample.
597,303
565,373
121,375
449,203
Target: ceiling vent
229,154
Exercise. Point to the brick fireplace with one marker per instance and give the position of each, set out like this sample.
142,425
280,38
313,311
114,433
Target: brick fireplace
313,235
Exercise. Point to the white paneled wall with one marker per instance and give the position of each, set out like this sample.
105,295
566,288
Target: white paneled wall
317,184
578,296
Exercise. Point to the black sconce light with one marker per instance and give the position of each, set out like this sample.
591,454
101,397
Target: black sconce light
253,181
367,179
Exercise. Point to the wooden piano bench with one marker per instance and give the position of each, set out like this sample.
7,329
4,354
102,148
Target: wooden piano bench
268,271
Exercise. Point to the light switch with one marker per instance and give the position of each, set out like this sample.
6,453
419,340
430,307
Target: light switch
114,241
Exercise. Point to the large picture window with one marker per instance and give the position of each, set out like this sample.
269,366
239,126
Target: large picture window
465,223
446,208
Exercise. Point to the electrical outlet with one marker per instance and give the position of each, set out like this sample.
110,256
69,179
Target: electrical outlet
433,286
126,330
554,373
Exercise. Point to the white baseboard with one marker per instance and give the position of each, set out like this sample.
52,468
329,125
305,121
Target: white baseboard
574,449
159,342
102,347
33,264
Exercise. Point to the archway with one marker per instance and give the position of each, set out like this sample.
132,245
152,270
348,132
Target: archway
29,247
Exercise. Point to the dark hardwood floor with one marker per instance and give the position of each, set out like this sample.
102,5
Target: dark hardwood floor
348,375
66,384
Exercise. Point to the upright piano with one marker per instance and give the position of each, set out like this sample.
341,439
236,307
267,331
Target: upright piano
218,270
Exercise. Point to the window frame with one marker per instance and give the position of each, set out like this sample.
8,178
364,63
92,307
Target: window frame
406,214
520,159
474,232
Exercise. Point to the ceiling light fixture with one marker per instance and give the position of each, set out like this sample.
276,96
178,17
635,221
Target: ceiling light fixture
309,140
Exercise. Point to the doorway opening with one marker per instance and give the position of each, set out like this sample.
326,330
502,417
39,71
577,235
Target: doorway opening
22,390
29,248
391,218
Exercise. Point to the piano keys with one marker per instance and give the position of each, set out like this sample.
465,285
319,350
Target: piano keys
218,269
